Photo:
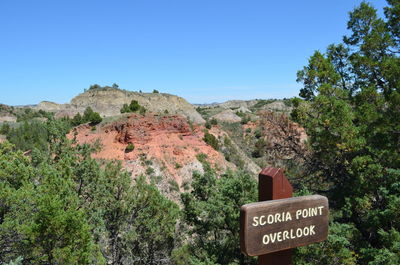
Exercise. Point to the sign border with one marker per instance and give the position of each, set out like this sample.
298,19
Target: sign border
244,223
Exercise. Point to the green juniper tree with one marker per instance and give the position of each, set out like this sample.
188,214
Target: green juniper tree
351,115
60,206
211,212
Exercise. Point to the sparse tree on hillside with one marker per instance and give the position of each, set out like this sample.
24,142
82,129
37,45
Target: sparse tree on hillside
211,140
77,119
125,108
134,106
90,116
95,86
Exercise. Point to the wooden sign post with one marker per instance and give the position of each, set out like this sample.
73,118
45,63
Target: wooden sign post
272,227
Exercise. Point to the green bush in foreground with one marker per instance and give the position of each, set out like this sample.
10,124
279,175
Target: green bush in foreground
211,212
63,207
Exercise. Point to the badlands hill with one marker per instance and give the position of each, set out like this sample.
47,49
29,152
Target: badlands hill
173,138
108,101
165,148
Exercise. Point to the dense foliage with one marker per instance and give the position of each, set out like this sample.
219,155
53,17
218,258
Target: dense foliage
134,106
89,116
27,114
352,116
60,206
211,213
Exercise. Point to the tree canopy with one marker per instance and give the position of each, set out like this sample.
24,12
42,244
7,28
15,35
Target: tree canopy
351,115
60,206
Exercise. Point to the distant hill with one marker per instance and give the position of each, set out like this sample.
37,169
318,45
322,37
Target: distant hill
109,101
254,104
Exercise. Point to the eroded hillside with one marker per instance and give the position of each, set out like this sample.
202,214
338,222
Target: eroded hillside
109,101
163,147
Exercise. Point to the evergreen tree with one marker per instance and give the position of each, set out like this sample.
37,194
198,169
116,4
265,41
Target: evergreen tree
63,207
90,116
351,116
211,212
134,106
40,219
77,119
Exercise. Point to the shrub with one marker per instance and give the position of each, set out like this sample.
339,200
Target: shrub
240,114
134,106
95,118
211,140
90,116
150,171
185,185
125,108
5,128
142,110
257,133
201,157
208,125
156,179
95,86
28,114
259,148
245,119
173,185
191,125
129,148
77,119
155,91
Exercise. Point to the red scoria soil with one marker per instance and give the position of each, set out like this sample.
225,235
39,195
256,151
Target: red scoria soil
167,140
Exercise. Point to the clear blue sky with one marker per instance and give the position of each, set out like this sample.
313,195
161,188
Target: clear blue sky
204,51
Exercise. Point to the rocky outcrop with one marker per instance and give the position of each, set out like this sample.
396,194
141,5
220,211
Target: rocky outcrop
243,109
8,119
232,104
227,116
141,130
163,145
277,106
246,105
108,102
6,114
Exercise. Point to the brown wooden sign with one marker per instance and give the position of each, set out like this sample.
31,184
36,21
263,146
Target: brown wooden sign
276,225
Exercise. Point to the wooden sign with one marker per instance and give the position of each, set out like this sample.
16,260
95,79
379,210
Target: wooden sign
276,225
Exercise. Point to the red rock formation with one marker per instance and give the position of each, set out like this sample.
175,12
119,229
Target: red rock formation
169,142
